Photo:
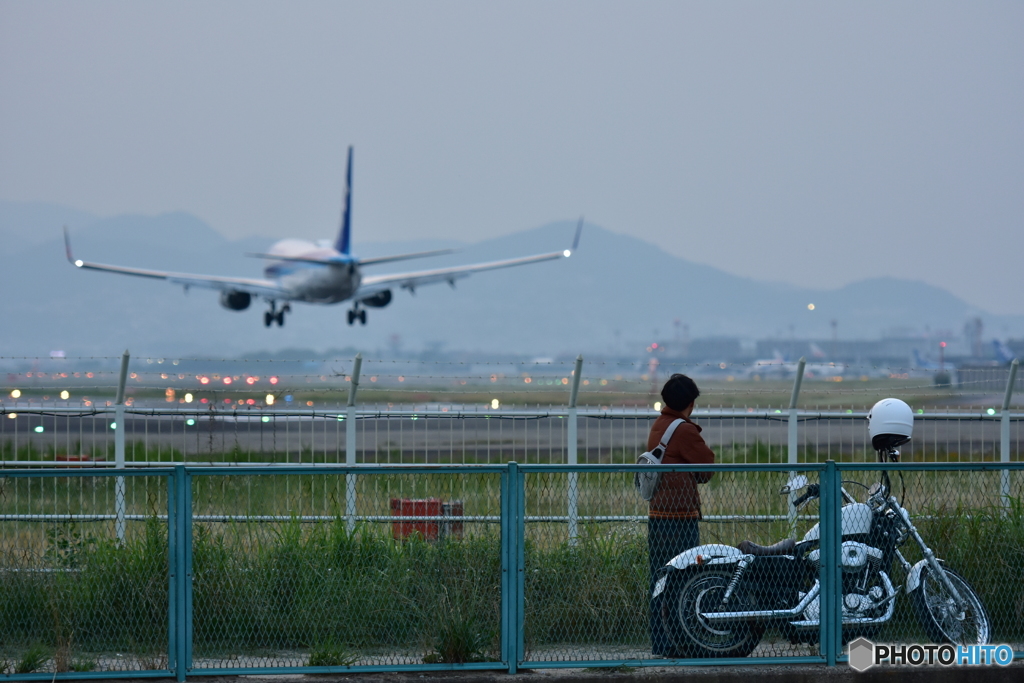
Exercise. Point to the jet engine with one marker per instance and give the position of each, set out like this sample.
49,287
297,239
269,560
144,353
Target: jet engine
236,301
378,300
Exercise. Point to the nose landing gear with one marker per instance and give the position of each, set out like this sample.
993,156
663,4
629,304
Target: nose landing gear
275,315
357,314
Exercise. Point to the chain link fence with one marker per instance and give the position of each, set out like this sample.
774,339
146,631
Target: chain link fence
211,570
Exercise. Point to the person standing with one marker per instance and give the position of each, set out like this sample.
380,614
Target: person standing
675,507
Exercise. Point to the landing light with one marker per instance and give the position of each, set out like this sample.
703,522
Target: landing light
566,253
79,263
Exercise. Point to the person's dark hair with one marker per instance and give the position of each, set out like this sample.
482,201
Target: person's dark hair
679,391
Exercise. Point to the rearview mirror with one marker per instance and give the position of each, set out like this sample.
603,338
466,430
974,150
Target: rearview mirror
793,485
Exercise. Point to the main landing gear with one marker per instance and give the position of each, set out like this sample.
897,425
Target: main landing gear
357,314
275,314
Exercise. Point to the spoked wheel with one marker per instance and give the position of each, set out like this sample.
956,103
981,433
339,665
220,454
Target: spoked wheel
695,636
937,611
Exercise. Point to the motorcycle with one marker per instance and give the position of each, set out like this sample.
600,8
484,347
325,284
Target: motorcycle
717,600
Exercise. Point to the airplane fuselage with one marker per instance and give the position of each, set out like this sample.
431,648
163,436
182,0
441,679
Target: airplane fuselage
313,282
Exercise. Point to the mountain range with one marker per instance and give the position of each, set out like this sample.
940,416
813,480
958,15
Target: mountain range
615,295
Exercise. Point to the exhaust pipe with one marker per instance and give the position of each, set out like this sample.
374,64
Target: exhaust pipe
718,617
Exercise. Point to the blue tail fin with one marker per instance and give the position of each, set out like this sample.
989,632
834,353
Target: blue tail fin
1003,352
342,245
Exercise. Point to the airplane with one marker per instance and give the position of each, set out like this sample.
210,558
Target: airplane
922,364
1003,353
299,270
778,367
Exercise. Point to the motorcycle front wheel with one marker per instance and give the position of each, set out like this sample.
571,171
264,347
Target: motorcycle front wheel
937,611
693,635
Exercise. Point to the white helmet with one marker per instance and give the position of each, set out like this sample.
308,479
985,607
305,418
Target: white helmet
890,423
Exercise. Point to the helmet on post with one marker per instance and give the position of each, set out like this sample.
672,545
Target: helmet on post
890,424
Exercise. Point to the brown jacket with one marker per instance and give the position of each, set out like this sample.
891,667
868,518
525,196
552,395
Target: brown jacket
677,496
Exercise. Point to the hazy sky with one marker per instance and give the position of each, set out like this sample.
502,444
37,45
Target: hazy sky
813,143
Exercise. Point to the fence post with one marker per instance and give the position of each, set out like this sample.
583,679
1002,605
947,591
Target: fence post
350,445
829,539
179,536
793,439
119,430
512,577
1004,432
573,457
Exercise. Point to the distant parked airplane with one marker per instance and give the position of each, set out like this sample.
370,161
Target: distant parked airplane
779,367
1003,352
320,274
922,364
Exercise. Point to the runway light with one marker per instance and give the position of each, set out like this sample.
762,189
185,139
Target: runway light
16,393
113,425
991,411
227,380
11,416
273,380
567,253
65,395
250,380
188,398
204,380
39,429
266,418
79,262
190,422
494,404
270,399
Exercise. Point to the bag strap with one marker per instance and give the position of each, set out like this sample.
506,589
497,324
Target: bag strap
667,436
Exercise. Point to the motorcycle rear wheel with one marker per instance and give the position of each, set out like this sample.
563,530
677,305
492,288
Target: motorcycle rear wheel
693,636
937,612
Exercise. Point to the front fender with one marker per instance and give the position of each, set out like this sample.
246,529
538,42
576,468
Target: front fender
914,576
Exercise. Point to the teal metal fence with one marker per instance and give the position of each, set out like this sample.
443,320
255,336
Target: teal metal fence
191,570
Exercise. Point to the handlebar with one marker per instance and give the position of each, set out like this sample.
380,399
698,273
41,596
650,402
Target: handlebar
813,491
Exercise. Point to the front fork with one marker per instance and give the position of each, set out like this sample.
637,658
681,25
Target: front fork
933,562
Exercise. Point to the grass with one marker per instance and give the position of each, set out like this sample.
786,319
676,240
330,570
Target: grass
32,659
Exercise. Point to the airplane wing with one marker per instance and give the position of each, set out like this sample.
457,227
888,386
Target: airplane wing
374,284
254,286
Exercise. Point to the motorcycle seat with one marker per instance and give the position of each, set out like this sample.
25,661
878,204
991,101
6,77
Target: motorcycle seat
784,547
